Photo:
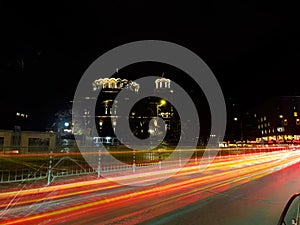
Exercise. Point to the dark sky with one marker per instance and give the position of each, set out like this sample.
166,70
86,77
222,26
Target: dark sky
252,48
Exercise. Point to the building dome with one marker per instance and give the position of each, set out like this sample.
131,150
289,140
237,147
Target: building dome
115,83
162,83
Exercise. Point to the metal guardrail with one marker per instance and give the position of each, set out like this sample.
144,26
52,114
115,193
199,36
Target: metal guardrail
21,175
15,167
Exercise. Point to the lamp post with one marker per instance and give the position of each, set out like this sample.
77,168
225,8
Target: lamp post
240,127
161,103
86,115
100,127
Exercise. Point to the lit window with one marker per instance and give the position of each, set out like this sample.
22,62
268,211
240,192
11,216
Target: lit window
295,114
262,132
261,119
268,124
235,118
258,126
280,116
255,115
265,118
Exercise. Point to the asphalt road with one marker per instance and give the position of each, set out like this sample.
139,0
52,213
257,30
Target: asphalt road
257,202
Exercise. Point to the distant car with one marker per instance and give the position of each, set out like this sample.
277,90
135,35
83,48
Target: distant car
223,144
11,152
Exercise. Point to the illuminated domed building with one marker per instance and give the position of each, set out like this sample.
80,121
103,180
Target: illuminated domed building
163,87
143,118
144,111
106,111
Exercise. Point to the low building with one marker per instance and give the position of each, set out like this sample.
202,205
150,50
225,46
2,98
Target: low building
17,141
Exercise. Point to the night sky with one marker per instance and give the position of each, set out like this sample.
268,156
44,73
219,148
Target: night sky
252,48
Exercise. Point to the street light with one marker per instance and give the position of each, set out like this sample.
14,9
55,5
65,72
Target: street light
241,127
162,103
100,123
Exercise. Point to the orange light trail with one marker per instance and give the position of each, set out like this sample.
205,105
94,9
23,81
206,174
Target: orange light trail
218,164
